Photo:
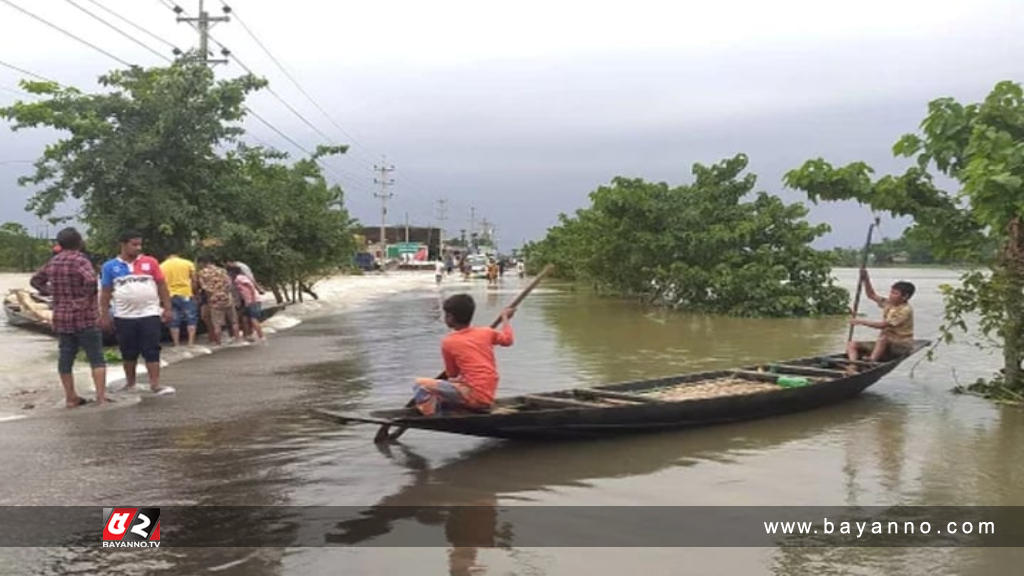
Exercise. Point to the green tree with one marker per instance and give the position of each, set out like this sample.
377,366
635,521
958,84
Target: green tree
914,246
160,153
14,228
288,222
981,147
18,250
697,247
142,156
907,249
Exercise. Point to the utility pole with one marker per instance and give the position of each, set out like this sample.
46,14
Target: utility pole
472,226
202,25
487,231
442,205
384,196
406,227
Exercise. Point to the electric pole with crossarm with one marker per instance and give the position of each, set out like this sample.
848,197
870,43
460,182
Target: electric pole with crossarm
384,196
442,206
202,25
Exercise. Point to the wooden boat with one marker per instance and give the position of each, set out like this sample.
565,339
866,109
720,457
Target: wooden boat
26,309
689,400
31,311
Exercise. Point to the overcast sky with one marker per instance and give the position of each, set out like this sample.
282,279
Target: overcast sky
521,109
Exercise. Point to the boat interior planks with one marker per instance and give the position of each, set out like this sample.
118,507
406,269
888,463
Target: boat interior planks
685,400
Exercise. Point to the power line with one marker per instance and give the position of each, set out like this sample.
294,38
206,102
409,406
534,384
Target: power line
204,32
285,103
291,77
261,141
276,130
278,96
324,165
17,92
298,85
65,32
96,3
97,48
116,29
205,36
27,72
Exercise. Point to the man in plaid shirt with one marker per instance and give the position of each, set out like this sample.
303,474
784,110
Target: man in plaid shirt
70,280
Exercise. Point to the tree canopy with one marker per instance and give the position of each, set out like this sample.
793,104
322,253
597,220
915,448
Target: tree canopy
980,146
699,247
159,152
912,247
19,251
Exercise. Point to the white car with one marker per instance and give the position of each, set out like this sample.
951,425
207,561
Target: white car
477,266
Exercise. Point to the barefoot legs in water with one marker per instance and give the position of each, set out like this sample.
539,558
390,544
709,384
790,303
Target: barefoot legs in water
877,353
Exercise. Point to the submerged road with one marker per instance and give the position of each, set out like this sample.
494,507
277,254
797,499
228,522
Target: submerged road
238,432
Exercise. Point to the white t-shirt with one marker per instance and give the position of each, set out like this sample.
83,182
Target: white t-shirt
134,286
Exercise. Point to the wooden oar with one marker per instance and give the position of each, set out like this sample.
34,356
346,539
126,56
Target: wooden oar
382,433
860,281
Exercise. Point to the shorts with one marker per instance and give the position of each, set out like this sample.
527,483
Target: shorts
185,312
254,310
440,396
893,350
88,339
139,336
218,316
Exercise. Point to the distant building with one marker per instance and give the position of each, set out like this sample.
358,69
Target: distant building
419,238
395,234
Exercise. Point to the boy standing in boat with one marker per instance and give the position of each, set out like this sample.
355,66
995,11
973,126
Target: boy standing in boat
897,324
469,363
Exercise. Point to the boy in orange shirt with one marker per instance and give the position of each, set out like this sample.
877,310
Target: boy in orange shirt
469,361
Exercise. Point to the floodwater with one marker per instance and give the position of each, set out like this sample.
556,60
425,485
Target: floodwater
238,432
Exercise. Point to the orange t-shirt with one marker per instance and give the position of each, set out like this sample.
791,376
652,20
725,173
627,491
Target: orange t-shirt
469,358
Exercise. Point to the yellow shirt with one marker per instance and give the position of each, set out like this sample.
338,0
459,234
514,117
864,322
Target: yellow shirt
899,320
179,273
